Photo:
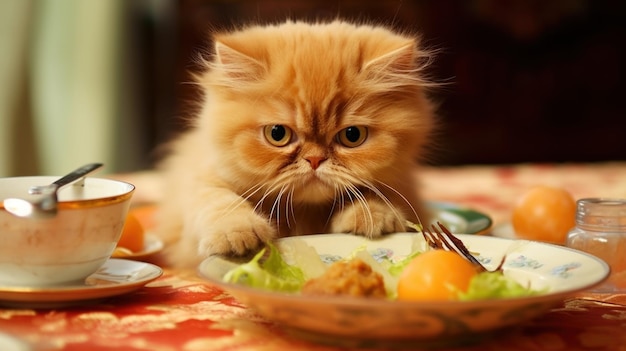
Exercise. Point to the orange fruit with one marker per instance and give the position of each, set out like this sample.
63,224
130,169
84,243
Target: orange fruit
544,213
133,234
145,214
435,275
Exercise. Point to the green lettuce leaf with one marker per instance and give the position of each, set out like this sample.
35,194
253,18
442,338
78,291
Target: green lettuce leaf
494,285
271,273
396,267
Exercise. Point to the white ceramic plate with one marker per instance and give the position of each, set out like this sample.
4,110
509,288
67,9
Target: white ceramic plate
372,322
151,246
115,277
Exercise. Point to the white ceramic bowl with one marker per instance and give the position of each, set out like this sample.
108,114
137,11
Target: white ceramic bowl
68,247
558,272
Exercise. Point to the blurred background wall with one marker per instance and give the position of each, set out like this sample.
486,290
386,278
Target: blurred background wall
78,83
106,80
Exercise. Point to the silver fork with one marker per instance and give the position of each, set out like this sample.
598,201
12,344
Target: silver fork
444,240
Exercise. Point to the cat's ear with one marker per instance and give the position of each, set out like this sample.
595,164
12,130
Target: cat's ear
237,65
397,69
398,60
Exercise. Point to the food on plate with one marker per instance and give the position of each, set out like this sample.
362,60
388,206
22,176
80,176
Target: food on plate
352,277
132,235
296,265
544,213
435,275
269,272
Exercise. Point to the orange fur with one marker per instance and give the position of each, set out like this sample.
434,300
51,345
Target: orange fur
230,189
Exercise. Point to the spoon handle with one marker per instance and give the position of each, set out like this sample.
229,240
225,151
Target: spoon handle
66,179
78,173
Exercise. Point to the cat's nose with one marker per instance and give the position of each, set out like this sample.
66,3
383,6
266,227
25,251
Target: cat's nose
315,161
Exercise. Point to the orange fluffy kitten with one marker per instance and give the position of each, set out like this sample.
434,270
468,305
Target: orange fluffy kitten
304,128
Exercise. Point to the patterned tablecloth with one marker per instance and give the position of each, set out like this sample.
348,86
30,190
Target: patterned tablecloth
180,311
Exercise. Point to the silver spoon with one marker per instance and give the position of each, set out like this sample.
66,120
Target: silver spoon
46,206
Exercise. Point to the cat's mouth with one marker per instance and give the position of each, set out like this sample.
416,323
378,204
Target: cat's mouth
313,186
313,178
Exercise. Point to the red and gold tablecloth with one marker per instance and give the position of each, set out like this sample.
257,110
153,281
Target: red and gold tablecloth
180,311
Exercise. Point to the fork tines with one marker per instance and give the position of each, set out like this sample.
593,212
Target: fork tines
447,241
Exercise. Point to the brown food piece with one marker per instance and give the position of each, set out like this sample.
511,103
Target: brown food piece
351,278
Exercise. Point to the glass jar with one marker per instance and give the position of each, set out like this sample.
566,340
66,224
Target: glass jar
601,231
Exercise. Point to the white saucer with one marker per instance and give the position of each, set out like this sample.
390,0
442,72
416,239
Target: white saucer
151,245
115,277
11,343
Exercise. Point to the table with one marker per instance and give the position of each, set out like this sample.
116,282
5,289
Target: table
180,311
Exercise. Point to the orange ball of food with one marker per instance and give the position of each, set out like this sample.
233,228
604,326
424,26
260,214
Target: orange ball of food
435,275
132,235
146,214
544,213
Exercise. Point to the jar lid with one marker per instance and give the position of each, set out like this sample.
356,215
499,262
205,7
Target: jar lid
601,214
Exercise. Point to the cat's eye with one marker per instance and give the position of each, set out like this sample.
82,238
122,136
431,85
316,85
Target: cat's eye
352,136
277,134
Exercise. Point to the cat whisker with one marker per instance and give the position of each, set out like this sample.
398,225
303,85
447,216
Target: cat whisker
278,188
386,200
242,199
252,191
417,217
347,186
338,193
364,206
293,212
272,189
375,190
289,208
276,206
347,192
259,204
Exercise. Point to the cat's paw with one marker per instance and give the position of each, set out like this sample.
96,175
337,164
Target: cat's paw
371,221
239,233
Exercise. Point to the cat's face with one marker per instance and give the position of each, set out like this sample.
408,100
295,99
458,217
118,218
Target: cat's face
313,110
